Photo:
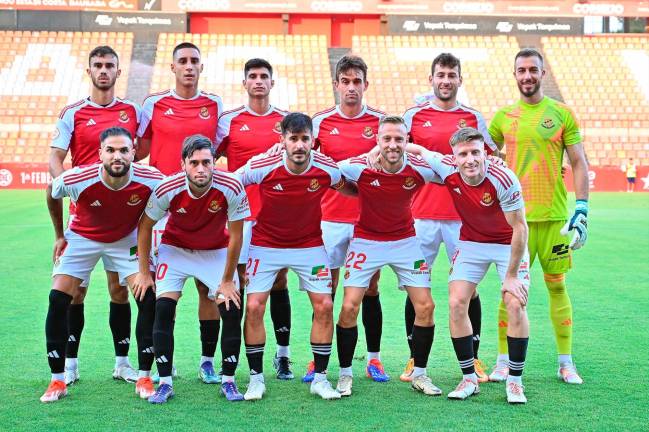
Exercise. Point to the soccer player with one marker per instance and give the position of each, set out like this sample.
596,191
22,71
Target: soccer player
341,132
384,235
101,191
489,200
195,243
536,131
77,132
431,125
243,133
630,169
288,235
168,118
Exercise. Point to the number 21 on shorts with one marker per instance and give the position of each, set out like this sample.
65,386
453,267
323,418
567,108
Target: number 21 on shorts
254,264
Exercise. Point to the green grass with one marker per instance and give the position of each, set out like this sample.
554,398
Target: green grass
608,287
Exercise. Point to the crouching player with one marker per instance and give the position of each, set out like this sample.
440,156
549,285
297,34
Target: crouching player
110,197
195,244
489,201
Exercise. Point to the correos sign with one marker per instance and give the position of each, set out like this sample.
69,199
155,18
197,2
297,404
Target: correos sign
600,9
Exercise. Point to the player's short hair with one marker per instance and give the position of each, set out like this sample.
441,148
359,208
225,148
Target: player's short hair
197,142
392,119
528,52
184,45
466,134
446,60
350,62
102,51
114,132
256,63
296,122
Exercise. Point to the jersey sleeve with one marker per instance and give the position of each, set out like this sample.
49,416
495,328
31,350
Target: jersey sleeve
58,188
238,206
511,198
63,131
248,174
222,134
144,130
490,145
442,166
158,203
571,133
352,168
495,129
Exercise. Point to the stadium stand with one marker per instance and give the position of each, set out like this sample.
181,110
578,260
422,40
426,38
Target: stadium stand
40,73
400,66
605,80
300,62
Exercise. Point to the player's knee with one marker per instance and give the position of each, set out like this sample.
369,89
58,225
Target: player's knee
457,306
555,283
348,314
79,295
118,293
515,308
373,289
255,310
425,309
323,310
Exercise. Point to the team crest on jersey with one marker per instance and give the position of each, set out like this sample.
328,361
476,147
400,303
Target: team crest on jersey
314,185
204,114
56,133
123,117
278,128
548,123
134,200
487,200
409,183
346,274
461,124
214,207
368,132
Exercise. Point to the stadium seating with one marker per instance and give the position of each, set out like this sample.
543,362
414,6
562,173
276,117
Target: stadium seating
400,66
300,62
40,73
604,79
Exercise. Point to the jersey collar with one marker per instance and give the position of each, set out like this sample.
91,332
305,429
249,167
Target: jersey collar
91,103
270,110
359,115
431,104
175,95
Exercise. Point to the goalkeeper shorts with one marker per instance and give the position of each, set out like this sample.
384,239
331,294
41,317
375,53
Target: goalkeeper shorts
552,248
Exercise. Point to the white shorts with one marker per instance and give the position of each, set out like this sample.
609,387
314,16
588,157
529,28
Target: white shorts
245,245
310,264
81,255
176,265
336,237
431,234
156,240
366,257
472,260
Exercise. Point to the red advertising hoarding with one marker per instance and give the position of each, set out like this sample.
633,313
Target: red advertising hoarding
72,5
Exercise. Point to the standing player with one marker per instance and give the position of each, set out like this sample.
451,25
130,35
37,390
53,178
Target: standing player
288,235
341,132
195,244
490,203
431,125
243,133
536,131
167,118
630,169
77,131
385,235
112,187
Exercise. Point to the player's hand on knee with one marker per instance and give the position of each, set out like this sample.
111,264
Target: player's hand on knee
59,247
142,282
227,293
578,223
515,287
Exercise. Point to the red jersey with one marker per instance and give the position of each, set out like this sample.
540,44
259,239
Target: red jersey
432,127
242,134
481,207
167,119
80,124
341,137
385,198
104,214
290,212
198,223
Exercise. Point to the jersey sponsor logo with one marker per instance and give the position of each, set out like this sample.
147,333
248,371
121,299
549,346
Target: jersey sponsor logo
181,211
243,205
214,207
56,133
204,113
134,200
368,132
420,265
244,128
461,124
123,117
314,185
409,183
487,199
334,131
375,183
278,187
169,112
278,128
97,203
427,124
91,122
457,191
548,123
515,197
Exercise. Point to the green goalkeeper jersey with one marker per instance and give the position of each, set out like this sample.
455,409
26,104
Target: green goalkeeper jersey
535,137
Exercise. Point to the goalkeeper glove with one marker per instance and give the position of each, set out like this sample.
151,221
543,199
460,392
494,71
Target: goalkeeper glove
579,224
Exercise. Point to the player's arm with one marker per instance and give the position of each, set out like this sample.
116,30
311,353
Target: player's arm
142,149
579,220
346,187
495,132
143,280
227,291
512,284
55,193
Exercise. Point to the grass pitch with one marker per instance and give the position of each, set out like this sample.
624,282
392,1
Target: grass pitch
608,287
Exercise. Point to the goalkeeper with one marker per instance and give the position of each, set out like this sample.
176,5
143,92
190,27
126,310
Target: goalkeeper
536,131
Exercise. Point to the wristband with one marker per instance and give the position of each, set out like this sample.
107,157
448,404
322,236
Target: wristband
581,206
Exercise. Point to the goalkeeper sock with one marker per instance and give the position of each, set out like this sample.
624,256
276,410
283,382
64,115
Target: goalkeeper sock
560,311
502,328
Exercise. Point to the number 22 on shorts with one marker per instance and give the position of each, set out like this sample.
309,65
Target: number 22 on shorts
360,260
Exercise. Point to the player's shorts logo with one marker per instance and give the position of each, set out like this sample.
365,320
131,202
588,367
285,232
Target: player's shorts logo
134,200
461,124
204,114
548,123
123,117
487,200
420,266
320,271
409,183
56,133
314,185
368,132
278,128
214,207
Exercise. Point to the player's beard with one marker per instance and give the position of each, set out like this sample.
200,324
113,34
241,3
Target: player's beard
451,96
116,174
103,86
535,89
200,183
394,156
291,156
